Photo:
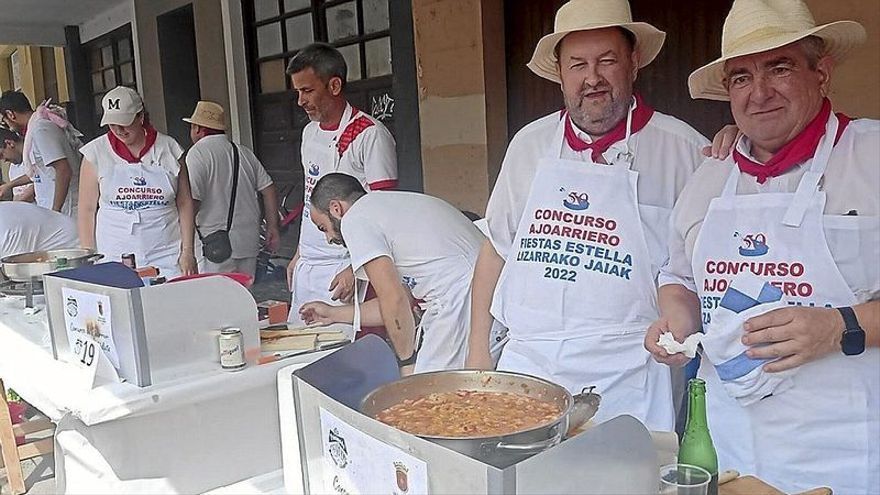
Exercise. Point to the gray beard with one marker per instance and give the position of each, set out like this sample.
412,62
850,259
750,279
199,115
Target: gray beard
597,125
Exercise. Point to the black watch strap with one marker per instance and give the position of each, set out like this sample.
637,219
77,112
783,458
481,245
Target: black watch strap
850,322
408,361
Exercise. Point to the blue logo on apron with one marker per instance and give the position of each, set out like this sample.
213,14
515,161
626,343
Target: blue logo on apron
314,170
576,201
753,244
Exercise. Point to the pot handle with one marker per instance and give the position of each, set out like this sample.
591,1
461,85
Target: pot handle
523,447
95,257
584,408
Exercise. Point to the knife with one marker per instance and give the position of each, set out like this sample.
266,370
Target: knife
281,355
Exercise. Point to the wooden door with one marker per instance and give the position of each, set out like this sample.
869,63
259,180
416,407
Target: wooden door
693,37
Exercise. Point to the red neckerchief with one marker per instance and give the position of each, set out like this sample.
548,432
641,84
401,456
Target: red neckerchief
640,117
357,125
796,151
122,150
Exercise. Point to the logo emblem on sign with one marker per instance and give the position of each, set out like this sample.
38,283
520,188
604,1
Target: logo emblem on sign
576,201
400,473
139,181
410,282
314,170
72,308
337,449
752,244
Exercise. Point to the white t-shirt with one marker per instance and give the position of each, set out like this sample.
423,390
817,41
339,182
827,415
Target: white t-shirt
432,244
49,144
361,147
666,152
27,227
851,182
16,170
210,164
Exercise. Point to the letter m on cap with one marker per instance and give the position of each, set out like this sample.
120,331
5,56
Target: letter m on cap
113,104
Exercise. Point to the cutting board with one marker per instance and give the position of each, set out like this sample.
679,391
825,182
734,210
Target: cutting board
299,339
749,485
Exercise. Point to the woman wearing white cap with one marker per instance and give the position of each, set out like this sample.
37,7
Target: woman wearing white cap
134,190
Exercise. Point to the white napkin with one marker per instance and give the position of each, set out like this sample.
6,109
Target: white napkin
688,347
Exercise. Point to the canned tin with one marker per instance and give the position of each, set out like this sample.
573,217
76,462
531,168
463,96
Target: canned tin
231,349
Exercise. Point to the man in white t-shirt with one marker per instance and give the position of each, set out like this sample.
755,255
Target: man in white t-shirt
578,218
339,138
20,193
403,243
48,151
210,165
26,227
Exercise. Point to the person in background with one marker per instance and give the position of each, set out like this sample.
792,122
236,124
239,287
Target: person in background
210,163
20,193
797,207
49,151
134,190
577,220
403,243
339,138
26,227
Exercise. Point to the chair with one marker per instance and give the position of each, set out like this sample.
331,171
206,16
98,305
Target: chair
13,454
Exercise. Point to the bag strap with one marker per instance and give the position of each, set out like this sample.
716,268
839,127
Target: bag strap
235,167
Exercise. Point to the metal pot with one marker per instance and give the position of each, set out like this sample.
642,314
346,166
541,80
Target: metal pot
29,266
501,450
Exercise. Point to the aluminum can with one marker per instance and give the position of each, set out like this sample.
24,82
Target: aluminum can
231,349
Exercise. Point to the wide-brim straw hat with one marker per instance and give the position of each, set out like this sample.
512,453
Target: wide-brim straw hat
756,26
208,114
585,15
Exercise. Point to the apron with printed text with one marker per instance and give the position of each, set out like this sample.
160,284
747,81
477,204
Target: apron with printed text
578,289
824,430
138,214
319,262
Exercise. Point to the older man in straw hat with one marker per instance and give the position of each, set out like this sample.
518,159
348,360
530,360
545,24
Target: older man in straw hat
578,217
795,207
220,173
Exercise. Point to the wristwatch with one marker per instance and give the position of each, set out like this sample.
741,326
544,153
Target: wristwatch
852,342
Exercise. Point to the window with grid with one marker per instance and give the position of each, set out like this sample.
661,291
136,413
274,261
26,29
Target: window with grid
111,64
360,29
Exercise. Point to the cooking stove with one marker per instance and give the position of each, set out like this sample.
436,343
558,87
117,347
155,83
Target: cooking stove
29,289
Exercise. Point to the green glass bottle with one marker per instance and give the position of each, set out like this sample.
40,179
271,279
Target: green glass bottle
696,444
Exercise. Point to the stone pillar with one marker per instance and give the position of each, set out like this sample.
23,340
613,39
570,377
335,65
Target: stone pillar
462,97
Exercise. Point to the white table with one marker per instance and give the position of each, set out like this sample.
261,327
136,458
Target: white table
189,436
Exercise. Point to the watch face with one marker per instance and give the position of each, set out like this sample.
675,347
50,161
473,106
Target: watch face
853,342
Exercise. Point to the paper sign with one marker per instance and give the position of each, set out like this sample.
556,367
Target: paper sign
87,319
356,463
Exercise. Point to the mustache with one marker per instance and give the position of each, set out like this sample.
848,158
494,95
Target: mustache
588,90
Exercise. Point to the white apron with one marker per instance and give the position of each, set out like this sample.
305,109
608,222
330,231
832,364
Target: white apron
443,331
138,214
824,430
578,291
319,262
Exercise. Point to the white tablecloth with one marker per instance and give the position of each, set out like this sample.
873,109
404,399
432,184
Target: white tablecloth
188,436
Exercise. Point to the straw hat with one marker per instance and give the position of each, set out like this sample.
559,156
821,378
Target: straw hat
585,15
208,114
755,26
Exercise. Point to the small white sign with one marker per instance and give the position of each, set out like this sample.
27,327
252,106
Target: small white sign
357,463
87,318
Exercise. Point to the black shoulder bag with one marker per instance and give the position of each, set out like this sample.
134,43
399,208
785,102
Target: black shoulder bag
216,246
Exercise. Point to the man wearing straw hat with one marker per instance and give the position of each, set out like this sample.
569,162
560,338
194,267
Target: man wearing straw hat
577,219
212,162
803,183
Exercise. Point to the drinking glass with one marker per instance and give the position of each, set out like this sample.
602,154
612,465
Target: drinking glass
684,479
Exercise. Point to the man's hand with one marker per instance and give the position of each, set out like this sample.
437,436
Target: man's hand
4,189
659,327
723,142
273,238
342,286
318,312
187,263
291,267
794,336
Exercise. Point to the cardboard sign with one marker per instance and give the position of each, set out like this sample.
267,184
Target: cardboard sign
87,318
356,463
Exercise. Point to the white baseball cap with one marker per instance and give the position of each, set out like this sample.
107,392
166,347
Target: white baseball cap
121,105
